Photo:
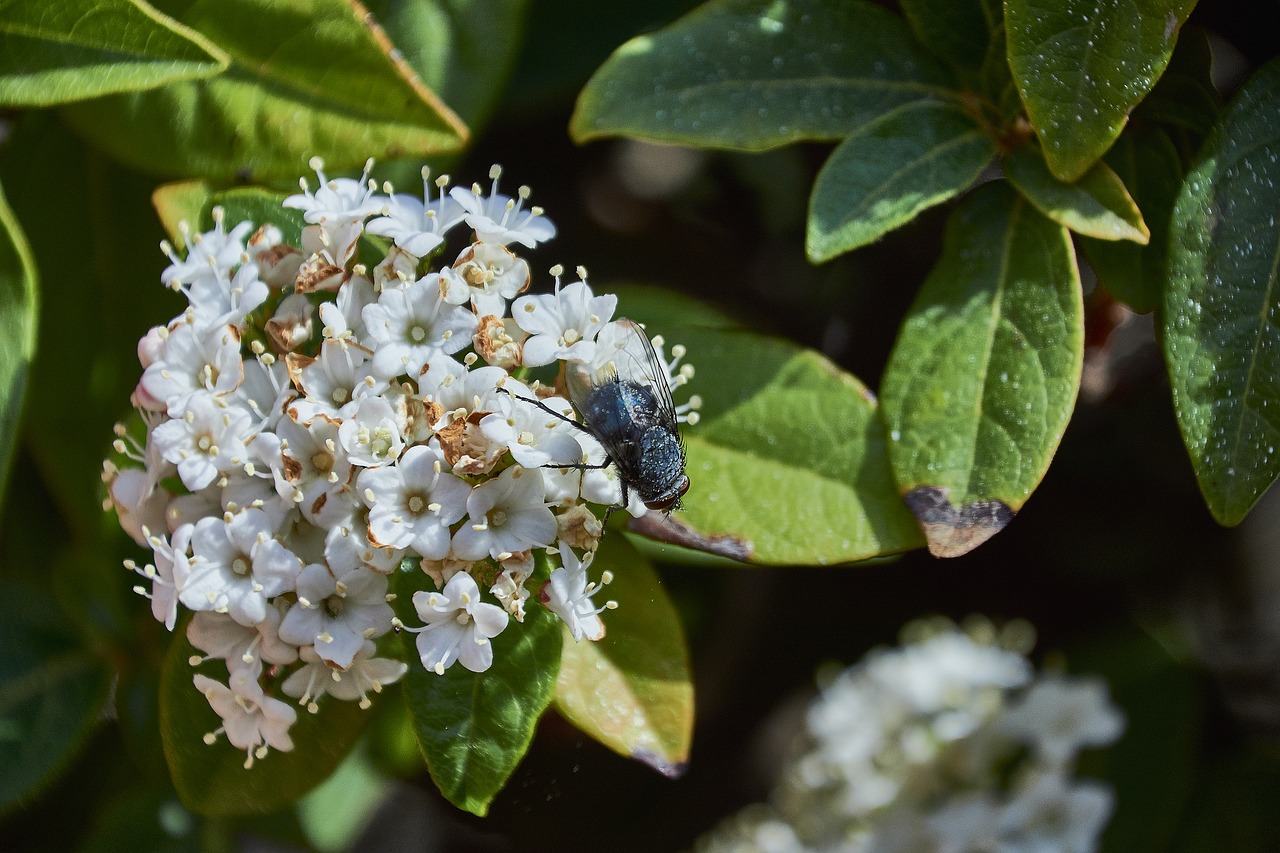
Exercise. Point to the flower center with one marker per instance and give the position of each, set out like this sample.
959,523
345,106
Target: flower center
417,504
497,518
570,337
205,444
341,395
417,334
322,461
333,606
463,618
240,565
377,439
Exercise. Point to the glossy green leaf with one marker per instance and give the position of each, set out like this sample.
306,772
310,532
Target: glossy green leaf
51,692
1146,161
787,465
212,778
55,53
115,262
1185,96
889,170
463,50
19,301
312,77
1097,205
1222,306
755,74
984,375
473,728
1082,66
631,690
955,30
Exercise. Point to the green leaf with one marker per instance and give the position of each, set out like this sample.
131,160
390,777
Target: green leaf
51,692
212,778
473,728
115,263
755,74
1082,67
19,301
788,463
1222,305
889,170
1095,205
308,77
1185,96
631,690
955,30
983,377
462,49
55,53
1147,162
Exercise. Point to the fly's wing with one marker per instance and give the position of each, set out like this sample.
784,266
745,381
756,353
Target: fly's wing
624,351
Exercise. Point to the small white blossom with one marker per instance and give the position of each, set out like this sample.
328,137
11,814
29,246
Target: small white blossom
366,674
251,720
237,566
568,595
370,436
459,626
408,325
413,503
241,646
337,614
1059,716
487,276
506,515
418,225
564,324
193,361
497,218
333,383
206,442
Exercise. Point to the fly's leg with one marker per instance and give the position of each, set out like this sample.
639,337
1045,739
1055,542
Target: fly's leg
550,411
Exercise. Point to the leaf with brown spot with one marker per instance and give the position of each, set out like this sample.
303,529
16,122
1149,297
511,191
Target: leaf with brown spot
984,375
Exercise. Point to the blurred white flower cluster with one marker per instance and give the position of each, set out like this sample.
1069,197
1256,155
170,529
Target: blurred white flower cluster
950,743
310,421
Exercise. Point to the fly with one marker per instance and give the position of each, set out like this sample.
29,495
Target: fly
624,399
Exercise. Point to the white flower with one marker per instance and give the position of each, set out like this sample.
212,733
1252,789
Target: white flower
334,382
1050,816
932,675
408,325
418,225
313,466
251,720
564,324
343,317
318,677
506,515
227,299
412,503
337,614
567,594
209,255
264,391
206,442
459,626
347,545
237,566
193,361
1059,716
370,435
241,646
339,207
535,438
486,275
497,218
168,575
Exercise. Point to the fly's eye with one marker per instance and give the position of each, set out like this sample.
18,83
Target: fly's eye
671,501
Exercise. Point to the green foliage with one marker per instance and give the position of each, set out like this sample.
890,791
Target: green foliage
19,300
919,155
812,72
1096,205
1222,305
1082,67
309,78
631,691
473,728
984,375
57,53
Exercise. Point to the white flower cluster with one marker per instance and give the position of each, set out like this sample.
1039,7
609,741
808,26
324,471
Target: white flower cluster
949,744
311,421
